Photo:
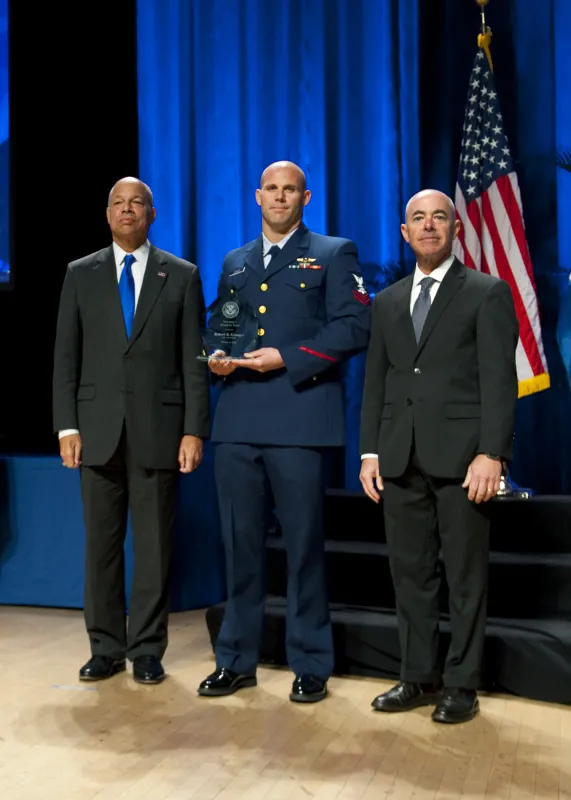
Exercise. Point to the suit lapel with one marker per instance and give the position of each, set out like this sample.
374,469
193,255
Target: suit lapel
403,313
106,271
295,247
452,281
254,257
155,278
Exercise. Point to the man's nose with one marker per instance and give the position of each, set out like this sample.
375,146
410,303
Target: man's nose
428,223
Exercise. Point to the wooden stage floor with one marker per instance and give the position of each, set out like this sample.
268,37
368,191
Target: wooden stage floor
65,740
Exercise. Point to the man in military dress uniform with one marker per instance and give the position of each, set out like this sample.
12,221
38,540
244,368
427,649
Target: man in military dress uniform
279,409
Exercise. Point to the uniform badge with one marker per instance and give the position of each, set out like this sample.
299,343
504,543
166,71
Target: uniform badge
305,263
360,294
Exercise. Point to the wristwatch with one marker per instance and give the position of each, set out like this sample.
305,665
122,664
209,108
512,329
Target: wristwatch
492,456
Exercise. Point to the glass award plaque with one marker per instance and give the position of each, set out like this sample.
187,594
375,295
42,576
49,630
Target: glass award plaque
232,326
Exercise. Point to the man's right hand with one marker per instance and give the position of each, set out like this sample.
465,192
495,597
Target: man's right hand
222,367
371,481
70,450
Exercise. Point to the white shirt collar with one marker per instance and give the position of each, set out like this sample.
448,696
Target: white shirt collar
282,242
437,274
141,253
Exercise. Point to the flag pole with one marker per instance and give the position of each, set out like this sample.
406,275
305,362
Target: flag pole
507,487
483,4
485,36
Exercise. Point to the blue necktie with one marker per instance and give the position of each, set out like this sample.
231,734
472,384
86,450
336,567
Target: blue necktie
127,293
422,306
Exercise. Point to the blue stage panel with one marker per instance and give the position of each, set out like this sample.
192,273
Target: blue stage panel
42,537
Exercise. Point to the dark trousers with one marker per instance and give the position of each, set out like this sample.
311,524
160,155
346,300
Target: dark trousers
247,477
423,514
109,492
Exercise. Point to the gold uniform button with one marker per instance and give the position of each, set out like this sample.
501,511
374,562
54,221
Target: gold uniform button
231,291
302,285
314,377
262,309
261,331
264,287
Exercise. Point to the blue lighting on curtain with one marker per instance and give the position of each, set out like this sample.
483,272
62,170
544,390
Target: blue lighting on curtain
228,86
368,97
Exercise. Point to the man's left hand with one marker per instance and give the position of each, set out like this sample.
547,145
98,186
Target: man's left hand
263,360
483,479
190,453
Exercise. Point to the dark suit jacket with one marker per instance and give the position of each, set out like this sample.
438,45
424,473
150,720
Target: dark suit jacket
316,317
152,382
456,390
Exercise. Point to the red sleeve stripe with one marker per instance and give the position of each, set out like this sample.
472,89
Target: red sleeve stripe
319,355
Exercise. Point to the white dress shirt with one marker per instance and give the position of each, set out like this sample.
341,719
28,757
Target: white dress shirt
267,245
138,269
438,276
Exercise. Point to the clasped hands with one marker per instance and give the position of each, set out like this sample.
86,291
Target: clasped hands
482,479
263,360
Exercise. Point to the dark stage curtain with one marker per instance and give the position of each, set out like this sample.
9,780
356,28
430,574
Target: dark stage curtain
368,97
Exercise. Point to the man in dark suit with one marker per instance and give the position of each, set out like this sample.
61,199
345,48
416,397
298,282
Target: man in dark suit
280,409
437,422
131,406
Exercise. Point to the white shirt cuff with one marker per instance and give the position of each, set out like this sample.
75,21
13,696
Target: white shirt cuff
67,432
369,455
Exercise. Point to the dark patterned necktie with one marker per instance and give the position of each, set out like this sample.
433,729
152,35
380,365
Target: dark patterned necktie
272,252
422,306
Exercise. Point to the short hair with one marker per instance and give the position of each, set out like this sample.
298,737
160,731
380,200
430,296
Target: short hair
146,190
424,191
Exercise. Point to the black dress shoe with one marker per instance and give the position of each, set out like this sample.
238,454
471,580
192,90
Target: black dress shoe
224,682
456,705
148,669
406,696
98,668
308,689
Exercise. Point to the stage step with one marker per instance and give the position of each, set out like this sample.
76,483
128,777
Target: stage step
521,585
540,524
526,657
528,635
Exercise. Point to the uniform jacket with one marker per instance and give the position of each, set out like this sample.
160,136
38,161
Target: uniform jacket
312,306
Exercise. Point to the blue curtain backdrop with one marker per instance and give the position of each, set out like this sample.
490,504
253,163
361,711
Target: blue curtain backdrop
368,97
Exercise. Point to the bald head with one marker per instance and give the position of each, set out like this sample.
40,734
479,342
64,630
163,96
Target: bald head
431,194
137,185
282,197
268,175
430,228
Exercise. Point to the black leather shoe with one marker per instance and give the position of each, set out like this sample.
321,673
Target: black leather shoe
406,696
224,682
98,668
148,669
456,705
308,689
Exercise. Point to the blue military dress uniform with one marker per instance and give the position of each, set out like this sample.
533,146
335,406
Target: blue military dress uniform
270,431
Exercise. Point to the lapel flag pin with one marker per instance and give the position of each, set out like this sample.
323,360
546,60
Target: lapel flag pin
162,275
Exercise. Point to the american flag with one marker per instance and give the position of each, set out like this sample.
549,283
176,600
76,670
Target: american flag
488,204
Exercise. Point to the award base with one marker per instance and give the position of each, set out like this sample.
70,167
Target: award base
219,358
510,489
